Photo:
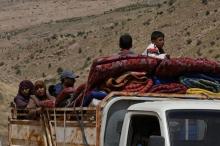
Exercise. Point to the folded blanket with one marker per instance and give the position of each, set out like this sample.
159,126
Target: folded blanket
210,77
169,88
139,87
201,91
138,77
200,83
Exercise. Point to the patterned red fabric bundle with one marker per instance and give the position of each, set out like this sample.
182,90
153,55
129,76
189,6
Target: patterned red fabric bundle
107,67
175,67
139,87
169,88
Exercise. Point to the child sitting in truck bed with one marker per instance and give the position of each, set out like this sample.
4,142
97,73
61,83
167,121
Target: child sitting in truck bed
155,49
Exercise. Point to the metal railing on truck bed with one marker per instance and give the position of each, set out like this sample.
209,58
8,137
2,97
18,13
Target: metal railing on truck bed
53,127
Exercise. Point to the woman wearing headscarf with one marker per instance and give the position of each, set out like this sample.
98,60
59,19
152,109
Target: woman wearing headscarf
26,89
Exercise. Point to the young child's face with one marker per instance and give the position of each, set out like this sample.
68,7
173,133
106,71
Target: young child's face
40,91
159,42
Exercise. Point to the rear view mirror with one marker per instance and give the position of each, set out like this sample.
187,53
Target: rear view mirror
156,141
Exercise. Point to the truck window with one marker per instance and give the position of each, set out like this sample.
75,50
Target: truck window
114,121
141,128
194,127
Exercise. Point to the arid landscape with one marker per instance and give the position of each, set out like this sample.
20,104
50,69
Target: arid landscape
40,38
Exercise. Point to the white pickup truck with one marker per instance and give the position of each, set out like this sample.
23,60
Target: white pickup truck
123,119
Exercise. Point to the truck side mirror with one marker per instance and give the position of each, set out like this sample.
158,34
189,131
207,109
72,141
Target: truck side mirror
156,141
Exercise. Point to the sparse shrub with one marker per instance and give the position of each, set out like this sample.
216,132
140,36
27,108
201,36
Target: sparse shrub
207,13
2,63
80,33
32,56
205,2
123,23
86,63
212,43
139,16
198,42
158,5
1,96
8,37
18,71
43,75
129,19
80,50
88,58
171,2
210,51
54,37
147,22
49,65
116,23
100,50
188,33
189,41
47,40
59,70
217,56
171,9
160,13
27,61
198,52
41,50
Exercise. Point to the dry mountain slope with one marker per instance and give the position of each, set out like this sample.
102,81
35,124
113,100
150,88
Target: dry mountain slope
191,28
39,49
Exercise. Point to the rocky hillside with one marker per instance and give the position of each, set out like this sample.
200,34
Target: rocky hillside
40,38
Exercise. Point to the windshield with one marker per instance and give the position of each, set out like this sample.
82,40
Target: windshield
194,127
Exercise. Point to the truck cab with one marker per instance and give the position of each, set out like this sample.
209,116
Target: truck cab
172,123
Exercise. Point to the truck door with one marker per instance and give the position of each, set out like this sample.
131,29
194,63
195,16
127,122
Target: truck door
113,119
141,127
138,127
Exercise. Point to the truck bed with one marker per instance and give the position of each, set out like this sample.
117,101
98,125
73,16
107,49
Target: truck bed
76,126
58,126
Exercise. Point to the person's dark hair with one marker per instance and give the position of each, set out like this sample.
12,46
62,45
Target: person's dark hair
156,34
52,90
125,41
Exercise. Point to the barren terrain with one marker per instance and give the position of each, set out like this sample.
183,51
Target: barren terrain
39,38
